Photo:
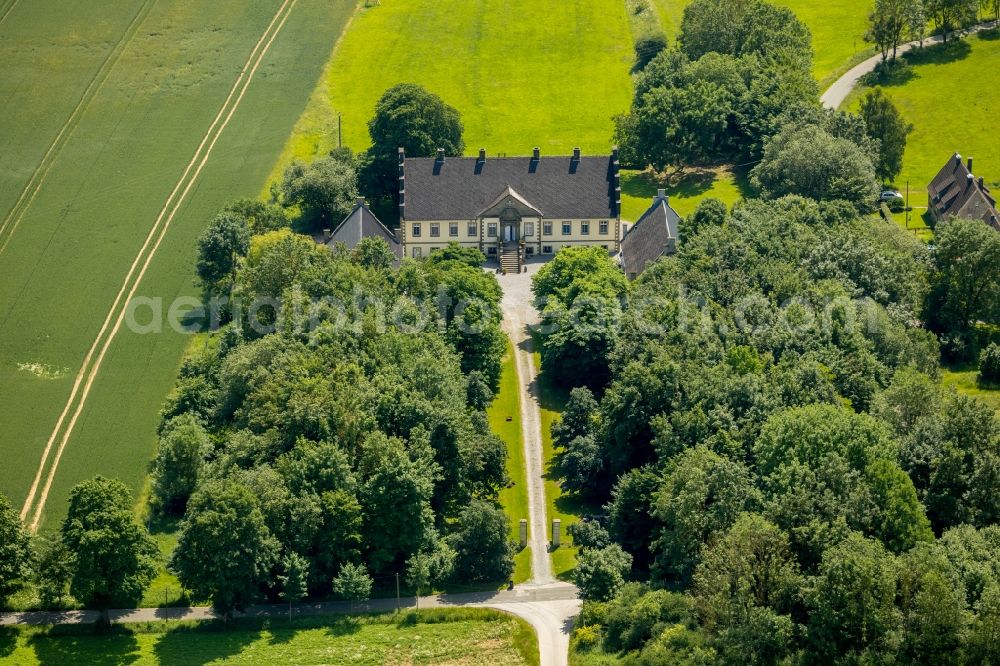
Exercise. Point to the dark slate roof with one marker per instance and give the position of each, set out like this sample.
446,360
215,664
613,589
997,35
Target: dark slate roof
362,223
459,188
654,235
956,192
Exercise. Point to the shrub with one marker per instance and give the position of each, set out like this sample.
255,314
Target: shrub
600,573
586,637
589,534
989,364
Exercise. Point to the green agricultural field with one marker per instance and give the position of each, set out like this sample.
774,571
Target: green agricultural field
523,73
105,106
967,124
415,637
838,30
505,421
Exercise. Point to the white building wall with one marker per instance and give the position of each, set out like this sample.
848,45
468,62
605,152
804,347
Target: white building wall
537,239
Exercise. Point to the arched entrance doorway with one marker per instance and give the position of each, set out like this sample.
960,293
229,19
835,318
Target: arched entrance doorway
510,224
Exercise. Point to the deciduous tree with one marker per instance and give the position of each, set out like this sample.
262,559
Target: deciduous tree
884,123
886,25
810,162
965,288
353,583
373,253
15,553
220,249
702,494
180,457
483,549
325,190
407,116
294,580
225,551
53,570
600,572
113,556
851,601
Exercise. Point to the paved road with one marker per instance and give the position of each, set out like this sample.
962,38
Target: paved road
518,314
552,619
520,595
842,87
548,608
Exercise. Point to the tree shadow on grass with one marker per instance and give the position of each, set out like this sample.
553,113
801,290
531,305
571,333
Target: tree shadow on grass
939,54
77,644
889,74
688,184
8,640
206,641
344,626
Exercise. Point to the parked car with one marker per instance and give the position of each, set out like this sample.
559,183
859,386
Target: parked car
893,199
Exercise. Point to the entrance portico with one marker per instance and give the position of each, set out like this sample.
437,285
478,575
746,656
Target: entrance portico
511,212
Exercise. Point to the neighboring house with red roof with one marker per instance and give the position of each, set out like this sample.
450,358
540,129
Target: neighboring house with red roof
957,192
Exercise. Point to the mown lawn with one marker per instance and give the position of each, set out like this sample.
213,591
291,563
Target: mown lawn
837,28
453,636
505,421
685,190
966,124
523,73
103,191
566,507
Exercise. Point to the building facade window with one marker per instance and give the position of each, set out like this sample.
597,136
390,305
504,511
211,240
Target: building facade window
491,230
603,227
567,228
585,227
417,252
529,251
546,249
546,228
453,230
491,250
473,229
435,230
416,230
529,229
624,228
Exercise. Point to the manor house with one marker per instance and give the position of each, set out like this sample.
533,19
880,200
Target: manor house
511,208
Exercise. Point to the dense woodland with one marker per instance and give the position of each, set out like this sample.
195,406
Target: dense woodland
782,474
351,435
783,477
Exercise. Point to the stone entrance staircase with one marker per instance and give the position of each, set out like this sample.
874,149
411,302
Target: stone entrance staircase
510,258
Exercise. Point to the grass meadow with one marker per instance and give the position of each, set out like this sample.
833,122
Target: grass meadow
160,73
947,113
452,636
965,379
505,421
522,73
